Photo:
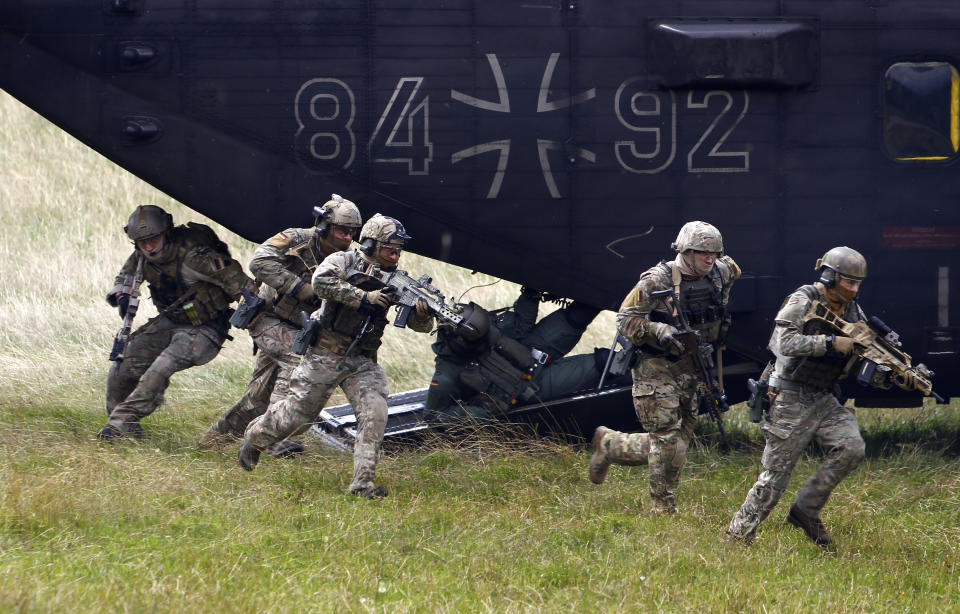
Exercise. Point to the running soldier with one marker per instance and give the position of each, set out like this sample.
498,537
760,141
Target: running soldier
192,281
666,381
344,354
284,264
810,363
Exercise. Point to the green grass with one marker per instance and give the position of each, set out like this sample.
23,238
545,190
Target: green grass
482,524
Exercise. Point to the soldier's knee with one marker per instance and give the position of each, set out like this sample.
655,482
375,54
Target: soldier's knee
853,452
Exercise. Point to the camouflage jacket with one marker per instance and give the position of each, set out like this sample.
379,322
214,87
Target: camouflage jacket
201,265
283,263
801,348
634,318
330,283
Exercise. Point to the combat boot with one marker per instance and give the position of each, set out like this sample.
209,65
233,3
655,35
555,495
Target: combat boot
370,492
599,463
285,448
130,429
812,526
248,456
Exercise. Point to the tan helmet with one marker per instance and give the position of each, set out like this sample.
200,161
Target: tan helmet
699,236
842,261
148,221
381,229
337,211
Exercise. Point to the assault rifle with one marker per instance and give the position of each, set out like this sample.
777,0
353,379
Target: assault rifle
715,398
879,347
405,291
130,290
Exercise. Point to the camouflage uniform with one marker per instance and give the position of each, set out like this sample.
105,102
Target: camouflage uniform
804,407
186,332
283,263
665,387
326,366
483,378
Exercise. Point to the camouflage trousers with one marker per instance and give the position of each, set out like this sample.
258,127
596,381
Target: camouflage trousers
271,375
155,351
664,396
311,384
796,418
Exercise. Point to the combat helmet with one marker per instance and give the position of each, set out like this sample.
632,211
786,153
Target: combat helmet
381,229
842,261
337,211
147,221
699,236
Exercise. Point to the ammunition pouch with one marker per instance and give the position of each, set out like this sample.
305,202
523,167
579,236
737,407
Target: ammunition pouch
202,303
288,308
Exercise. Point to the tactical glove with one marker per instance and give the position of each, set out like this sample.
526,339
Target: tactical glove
667,337
377,297
843,345
423,310
909,381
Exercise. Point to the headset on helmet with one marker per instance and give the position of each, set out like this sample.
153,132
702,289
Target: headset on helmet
381,229
337,211
841,261
147,221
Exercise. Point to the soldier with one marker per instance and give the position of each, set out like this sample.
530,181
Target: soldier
810,363
666,382
345,354
512,360
284,264
192,281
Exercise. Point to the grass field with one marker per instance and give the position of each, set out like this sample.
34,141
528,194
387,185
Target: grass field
484,524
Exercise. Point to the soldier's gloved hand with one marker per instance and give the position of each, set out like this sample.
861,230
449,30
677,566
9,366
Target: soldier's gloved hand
377,297
908,381
423,310
843,345
305,293
667,338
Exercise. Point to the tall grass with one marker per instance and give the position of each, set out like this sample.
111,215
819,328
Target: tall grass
482,524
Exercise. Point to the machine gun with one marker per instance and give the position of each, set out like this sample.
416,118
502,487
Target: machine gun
247,310
130,290
879,347
715,398
405,291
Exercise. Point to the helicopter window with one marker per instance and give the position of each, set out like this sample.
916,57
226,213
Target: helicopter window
920,110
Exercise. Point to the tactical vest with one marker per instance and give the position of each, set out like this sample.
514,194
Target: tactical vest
198,303
340,325
701,302
302,261
820,372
